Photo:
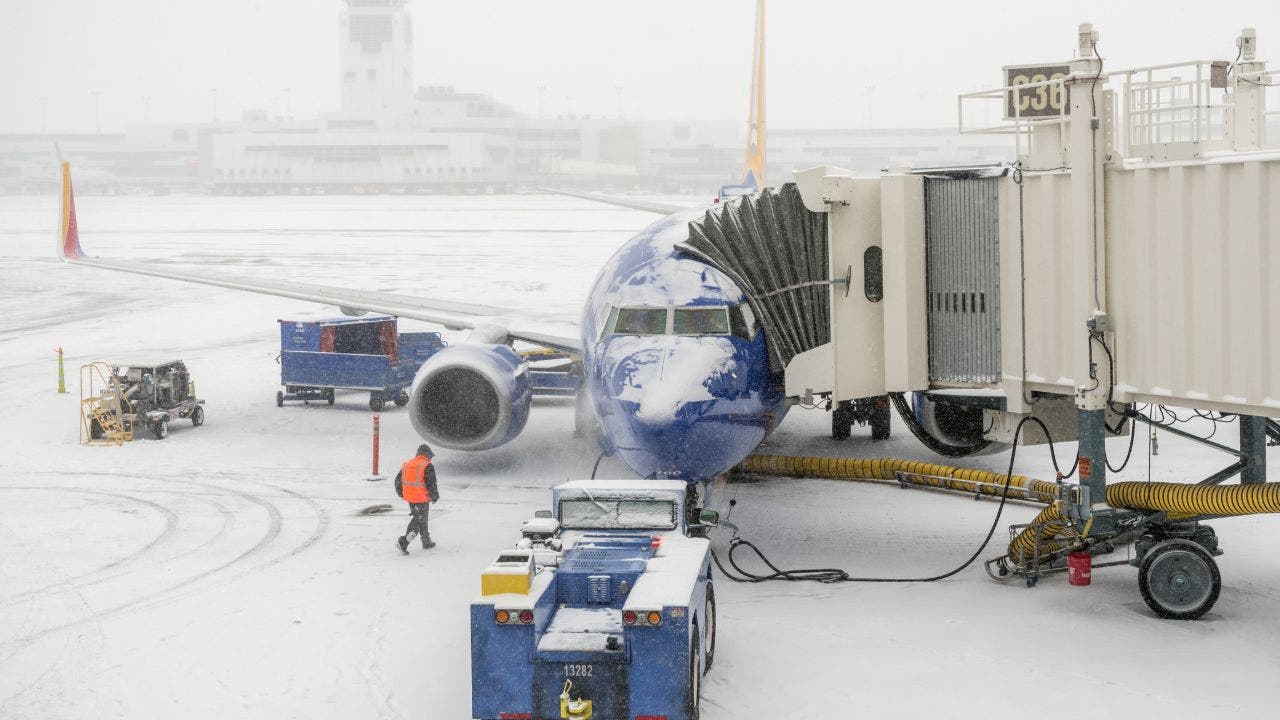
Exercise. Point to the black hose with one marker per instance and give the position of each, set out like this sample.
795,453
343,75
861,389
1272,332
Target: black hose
835,575
596,467
929,441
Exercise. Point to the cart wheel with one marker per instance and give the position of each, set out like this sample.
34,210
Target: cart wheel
328,396
376,404
402,399
1179,579
197,416
161,429
279,398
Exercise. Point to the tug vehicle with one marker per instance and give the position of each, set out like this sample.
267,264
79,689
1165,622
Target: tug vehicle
604,609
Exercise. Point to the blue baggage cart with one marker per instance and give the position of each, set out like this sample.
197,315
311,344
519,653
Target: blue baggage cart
319,356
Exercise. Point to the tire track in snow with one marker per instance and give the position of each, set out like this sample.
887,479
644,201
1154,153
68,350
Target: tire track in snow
275,522
80,582
170,525
321,528
179,589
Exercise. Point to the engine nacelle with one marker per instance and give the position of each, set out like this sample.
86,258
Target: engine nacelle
471,397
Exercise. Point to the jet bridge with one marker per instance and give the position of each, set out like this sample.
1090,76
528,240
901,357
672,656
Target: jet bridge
1128,256
1125,261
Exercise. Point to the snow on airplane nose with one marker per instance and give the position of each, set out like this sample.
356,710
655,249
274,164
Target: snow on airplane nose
670,400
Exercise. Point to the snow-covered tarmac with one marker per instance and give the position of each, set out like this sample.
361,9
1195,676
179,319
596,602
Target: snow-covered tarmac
226,572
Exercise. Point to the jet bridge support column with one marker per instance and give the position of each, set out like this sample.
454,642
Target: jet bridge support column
1085,143
1093,453
1253,449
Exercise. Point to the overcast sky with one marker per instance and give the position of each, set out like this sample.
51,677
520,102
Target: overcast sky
675,59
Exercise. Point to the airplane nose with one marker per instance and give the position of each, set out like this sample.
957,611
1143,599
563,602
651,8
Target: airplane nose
661,395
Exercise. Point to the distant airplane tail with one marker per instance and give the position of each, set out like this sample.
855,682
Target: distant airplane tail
753,178
68,233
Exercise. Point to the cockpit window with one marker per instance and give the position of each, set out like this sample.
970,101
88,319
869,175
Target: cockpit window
640,321
701,321
743,321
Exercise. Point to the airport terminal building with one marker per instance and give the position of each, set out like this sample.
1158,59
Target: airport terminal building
391,135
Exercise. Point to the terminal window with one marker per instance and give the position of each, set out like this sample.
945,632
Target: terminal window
371,31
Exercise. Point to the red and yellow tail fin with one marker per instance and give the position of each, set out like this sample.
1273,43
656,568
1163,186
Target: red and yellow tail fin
68,234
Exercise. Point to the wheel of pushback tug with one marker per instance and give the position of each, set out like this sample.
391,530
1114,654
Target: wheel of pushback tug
1179,579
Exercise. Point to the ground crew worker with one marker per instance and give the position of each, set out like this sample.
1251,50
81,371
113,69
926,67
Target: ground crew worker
416,483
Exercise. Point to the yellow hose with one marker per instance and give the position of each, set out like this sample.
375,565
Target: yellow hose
945,477
1186,501
1049,524
1180,501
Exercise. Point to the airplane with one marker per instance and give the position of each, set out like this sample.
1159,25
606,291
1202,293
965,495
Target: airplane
676,368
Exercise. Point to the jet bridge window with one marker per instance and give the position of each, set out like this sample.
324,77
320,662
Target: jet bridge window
701,321
639,321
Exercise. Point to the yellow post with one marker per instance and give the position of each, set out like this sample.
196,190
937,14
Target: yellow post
62,379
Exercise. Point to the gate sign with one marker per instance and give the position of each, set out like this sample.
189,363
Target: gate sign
1045,101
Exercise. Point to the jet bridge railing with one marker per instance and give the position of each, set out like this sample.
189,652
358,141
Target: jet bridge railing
1175,111
1267,83
976,111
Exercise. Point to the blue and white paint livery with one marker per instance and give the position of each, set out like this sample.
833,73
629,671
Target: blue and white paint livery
692,398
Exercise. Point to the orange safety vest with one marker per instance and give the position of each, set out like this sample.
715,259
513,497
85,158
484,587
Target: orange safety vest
413,480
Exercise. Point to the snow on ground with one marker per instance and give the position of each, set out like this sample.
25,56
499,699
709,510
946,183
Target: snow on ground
227,571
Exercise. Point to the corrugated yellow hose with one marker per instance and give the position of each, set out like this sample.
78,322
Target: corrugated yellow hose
1178,500
945,477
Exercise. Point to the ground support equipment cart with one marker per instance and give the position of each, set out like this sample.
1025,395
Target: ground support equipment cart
320,356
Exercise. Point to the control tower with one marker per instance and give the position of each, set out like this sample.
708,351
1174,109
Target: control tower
376,38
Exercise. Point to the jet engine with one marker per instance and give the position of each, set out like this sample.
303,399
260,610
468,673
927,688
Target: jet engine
471,397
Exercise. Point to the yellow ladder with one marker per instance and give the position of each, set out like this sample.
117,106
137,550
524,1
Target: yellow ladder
103,407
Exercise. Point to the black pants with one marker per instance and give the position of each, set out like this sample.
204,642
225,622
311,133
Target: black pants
417,521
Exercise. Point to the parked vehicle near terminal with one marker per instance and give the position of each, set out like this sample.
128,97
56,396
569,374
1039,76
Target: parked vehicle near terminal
605,608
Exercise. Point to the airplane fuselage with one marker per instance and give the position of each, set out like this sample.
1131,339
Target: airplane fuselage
675,365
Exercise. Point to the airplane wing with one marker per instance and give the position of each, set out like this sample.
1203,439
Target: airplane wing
496,324
642,205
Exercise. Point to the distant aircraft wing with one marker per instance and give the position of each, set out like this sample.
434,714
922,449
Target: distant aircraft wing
626,202
498,323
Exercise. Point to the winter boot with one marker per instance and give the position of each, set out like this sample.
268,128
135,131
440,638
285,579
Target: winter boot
427,544
403,543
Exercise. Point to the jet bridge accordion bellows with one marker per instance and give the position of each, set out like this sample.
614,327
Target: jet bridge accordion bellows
775,249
